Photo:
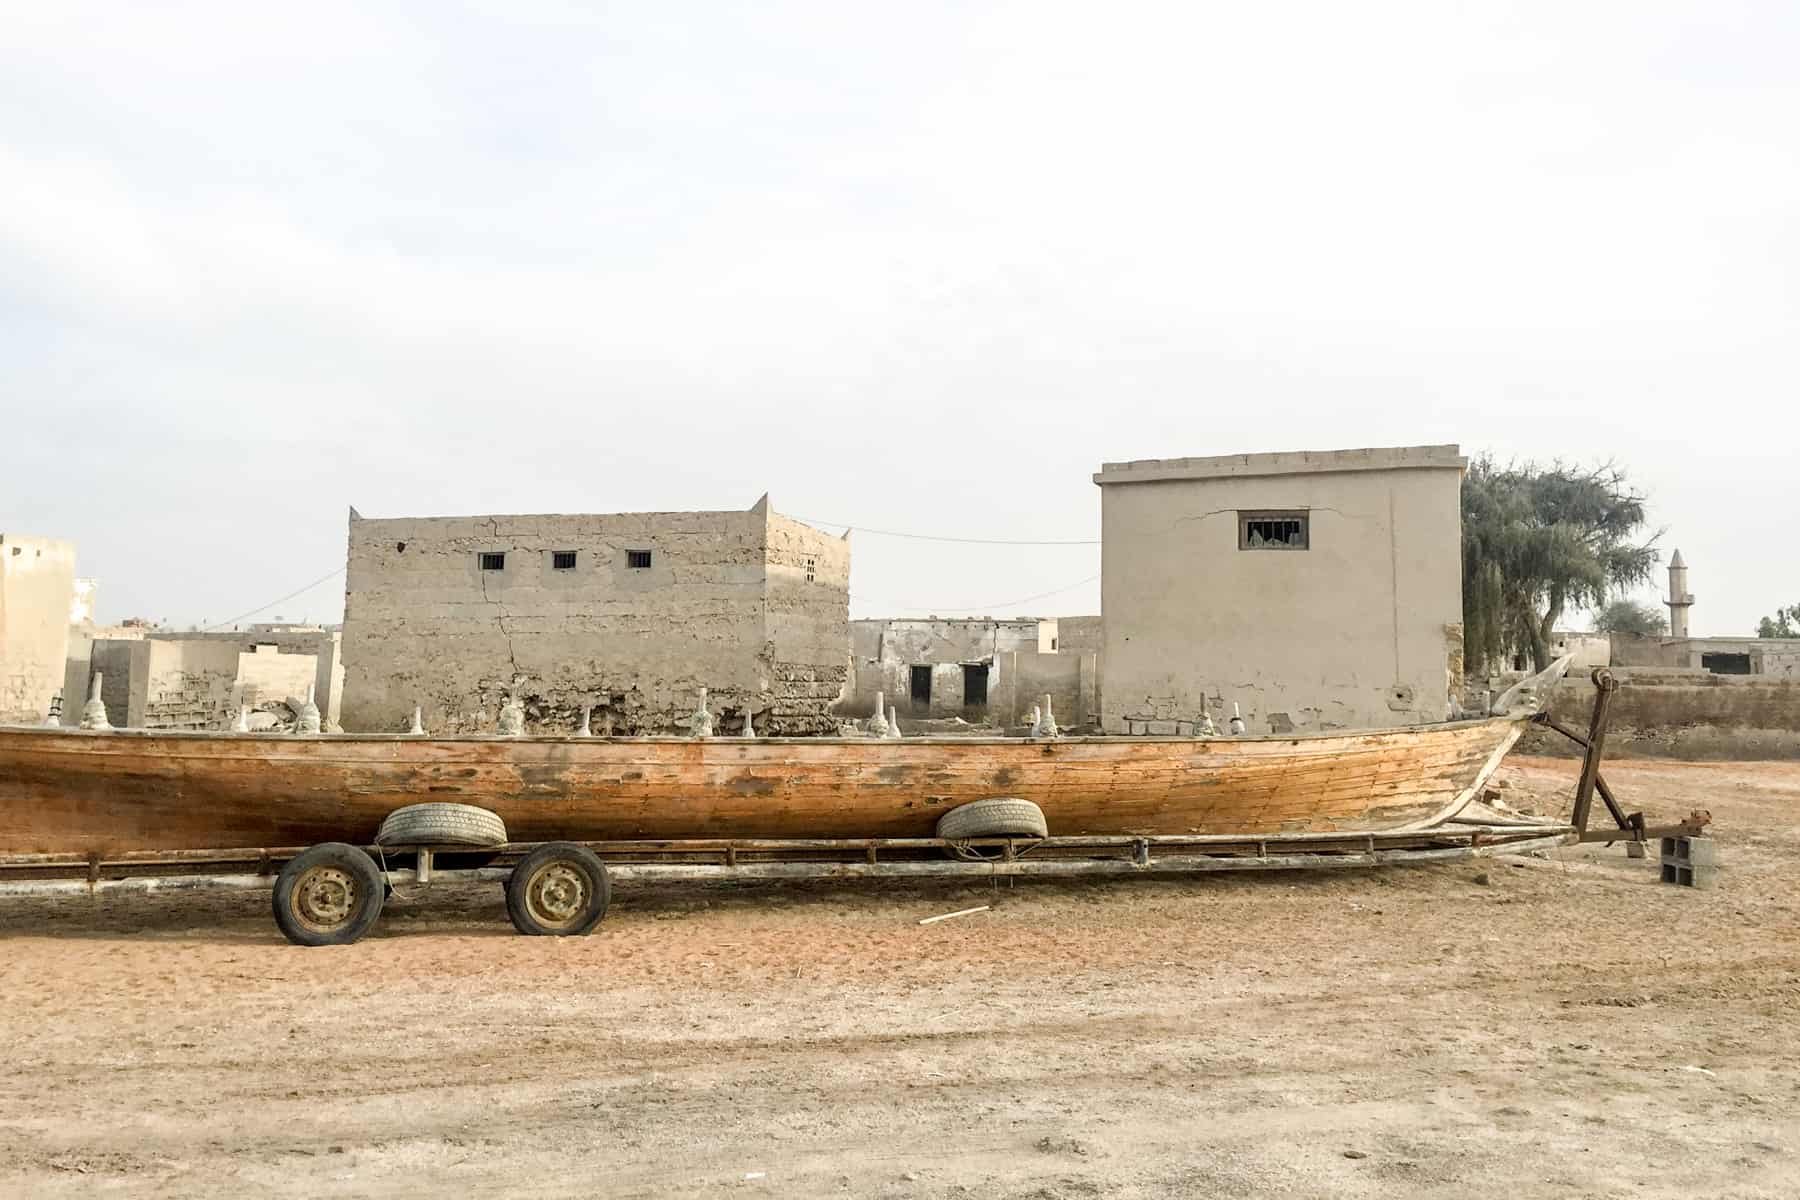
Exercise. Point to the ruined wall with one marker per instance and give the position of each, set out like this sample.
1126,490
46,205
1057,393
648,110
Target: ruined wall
1682,714
195,680
185,685
1068,678
37,591
884,652
79,666
725,604
1086,635
264,673
117,660
1360,629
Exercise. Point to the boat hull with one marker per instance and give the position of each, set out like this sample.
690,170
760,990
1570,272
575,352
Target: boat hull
77,792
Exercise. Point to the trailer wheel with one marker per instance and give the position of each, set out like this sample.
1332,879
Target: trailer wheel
329,895
441,824
558,890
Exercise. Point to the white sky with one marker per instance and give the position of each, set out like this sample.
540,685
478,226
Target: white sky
916,267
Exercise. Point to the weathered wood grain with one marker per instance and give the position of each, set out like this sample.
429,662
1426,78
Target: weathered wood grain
73,791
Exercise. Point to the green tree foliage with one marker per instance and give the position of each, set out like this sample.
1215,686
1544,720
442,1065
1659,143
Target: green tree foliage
1538,541
1784,624
1628,616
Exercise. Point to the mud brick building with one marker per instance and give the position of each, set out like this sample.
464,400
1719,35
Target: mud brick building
632,613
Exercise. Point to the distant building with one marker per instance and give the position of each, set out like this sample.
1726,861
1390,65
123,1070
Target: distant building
977,668
37,592
163,679
632,613
1313,590
1715,655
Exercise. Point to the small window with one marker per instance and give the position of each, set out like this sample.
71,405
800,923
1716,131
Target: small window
637,560
493,561
812,569
1272,530
562,560
1053,643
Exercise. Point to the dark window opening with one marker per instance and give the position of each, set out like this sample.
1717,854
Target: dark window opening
1720,663
399,547
975,681
1053,643
812,566
637,560
1272,530
562,560
491,561
921,687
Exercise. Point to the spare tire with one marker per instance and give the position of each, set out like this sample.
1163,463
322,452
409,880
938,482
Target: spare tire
439,824
1003,816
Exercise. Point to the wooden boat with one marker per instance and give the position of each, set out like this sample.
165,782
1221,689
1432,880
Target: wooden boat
66,791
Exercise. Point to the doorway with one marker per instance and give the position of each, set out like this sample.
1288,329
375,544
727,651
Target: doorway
921,688
975,685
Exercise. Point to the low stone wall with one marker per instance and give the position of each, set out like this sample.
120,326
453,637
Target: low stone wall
1682,714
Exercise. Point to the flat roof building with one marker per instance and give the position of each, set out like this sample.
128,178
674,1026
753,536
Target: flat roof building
1314,590
632,613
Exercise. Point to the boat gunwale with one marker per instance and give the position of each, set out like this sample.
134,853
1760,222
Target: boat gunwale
401,739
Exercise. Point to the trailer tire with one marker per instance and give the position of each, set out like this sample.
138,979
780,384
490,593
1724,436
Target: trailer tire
558,890
328,895
440,824
1002,816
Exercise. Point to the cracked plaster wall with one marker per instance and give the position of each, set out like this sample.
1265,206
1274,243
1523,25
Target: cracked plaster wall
1360,630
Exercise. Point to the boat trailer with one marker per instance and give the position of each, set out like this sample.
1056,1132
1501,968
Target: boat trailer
332,893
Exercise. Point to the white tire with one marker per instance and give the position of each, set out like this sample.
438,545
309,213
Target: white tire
440,824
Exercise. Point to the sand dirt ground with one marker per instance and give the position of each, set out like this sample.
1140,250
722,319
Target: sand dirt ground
1566,1028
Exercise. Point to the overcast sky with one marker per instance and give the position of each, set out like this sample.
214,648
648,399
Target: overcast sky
914,267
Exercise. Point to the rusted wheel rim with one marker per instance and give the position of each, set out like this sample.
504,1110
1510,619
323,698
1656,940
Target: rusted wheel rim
557,895
325,898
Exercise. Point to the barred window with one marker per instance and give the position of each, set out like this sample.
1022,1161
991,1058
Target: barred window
1273,530
562,560
638,560
493,560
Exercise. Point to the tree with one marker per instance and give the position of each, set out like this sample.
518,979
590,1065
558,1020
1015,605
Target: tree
1784,624
1538,540
1628,616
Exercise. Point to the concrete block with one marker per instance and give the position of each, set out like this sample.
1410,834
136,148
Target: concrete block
1689,876
1690,861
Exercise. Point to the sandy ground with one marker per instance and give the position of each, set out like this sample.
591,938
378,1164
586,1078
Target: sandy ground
1565,1028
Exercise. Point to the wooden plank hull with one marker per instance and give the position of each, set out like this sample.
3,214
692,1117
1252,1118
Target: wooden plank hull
68,791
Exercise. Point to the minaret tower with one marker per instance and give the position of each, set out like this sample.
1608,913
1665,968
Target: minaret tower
1680,599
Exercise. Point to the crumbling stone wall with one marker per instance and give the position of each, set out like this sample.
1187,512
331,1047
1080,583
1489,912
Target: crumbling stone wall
750,605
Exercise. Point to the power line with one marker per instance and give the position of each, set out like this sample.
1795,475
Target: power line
998,604
271,604
929,537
